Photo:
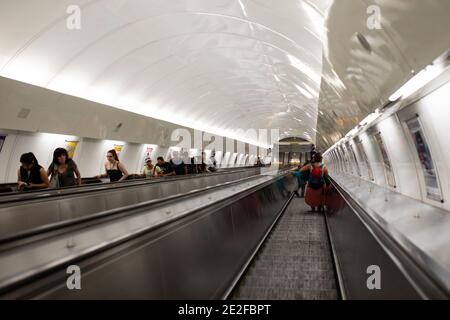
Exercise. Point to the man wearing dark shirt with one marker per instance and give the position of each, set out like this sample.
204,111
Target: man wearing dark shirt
165,167
178,164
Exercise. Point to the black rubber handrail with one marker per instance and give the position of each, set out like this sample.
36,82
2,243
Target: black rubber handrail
89,181
129,211
71,191
428,285
5,242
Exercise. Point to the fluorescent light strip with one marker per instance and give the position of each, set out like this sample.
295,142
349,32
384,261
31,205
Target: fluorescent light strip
417,82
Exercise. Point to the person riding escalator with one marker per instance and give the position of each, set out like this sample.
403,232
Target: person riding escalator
31,175
63,171
317,183
114,169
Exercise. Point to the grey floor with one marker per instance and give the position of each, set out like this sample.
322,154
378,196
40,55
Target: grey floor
295,261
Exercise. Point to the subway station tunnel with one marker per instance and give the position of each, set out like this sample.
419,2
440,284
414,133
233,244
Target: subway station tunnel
224,149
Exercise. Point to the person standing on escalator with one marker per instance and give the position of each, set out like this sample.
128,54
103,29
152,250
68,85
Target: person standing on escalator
31,176
178,164
317,182
303,178
114,169
63,171
164,168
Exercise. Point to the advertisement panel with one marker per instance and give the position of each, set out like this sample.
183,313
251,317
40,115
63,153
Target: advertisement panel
426,160
389,172
71,147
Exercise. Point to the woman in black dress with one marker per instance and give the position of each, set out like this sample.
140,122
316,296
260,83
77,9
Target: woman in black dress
114,169
31,176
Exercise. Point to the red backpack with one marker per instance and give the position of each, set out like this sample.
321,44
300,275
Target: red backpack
317,173
316,181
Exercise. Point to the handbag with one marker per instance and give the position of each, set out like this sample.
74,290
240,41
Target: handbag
54,181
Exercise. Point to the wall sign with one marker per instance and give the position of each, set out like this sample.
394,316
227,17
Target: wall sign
388,170
425,158
148,153
71,147
363,157
353,158
118,148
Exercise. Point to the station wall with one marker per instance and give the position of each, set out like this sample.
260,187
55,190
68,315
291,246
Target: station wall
39,120
416,157
90,154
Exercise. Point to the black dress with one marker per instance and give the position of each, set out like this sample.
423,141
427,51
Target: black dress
33,176
114,174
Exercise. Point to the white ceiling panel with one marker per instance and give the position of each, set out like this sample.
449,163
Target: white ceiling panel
215,65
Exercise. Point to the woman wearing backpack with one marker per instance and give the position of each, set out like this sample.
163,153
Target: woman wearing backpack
315,189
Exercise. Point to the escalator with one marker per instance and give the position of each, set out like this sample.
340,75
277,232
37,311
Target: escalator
185,247
15,197
249,239
25,213
294,262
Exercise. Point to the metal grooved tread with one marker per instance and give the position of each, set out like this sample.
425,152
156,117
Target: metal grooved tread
295,261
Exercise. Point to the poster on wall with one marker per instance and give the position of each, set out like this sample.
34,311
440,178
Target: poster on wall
425,158
386,161
71,147
363,157
345,157
2,141
118,148
148,153
353,158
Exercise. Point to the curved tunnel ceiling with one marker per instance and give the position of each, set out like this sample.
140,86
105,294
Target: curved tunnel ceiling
356,81
226,66
216,65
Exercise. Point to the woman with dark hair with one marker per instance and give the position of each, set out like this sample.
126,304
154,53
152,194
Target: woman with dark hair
114,169
63,170
31,175
315,189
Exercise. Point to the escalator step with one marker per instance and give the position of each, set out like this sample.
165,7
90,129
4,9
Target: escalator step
292,272
251,293
294,262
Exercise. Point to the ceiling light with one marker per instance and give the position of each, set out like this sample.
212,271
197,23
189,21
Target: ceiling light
351,132
417,82
369,119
